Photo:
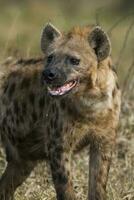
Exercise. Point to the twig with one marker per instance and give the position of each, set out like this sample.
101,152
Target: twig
124,44
97,16
118,22
127,78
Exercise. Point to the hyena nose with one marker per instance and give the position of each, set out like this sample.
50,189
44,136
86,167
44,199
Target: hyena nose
50,74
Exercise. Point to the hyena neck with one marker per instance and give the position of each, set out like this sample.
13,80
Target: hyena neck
86,108
73,110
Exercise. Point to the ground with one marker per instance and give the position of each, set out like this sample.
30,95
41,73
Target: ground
121,179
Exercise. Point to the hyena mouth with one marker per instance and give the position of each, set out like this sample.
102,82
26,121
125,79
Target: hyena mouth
59,91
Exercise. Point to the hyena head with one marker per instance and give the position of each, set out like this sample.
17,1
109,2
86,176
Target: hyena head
72,58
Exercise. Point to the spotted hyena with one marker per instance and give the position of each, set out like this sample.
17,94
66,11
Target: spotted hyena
57,106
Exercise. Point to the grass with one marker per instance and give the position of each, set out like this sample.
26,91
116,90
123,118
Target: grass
121,178
20,28
21,25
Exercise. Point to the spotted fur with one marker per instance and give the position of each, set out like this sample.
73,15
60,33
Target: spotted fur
37,126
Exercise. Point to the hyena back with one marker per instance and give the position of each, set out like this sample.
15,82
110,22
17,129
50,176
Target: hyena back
57,106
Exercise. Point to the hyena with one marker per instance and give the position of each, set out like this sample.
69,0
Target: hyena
57,106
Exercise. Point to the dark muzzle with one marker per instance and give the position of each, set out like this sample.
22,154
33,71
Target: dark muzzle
50,74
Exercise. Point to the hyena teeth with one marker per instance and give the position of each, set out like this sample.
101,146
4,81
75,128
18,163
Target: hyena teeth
63,89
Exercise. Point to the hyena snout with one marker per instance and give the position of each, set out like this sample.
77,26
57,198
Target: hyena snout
54,76
50,74
57,81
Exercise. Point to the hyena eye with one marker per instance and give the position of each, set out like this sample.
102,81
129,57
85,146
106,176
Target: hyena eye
74,61
50,58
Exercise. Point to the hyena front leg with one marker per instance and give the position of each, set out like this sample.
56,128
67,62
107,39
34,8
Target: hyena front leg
60,167
100,159
14,175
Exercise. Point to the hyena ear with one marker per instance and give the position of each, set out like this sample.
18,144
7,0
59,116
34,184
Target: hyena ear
100,42
48,36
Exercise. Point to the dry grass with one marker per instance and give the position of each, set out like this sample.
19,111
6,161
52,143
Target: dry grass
121,180
20,26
